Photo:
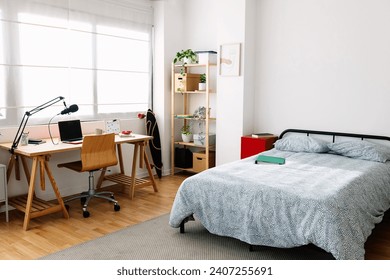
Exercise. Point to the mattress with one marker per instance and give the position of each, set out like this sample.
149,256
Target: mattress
327,200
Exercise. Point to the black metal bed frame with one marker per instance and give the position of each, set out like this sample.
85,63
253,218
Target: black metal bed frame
334,134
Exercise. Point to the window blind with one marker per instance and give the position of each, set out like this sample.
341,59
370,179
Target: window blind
95,53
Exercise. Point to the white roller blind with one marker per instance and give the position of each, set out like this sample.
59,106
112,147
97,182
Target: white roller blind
95,53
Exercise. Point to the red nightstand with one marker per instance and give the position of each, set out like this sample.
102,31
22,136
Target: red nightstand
252,145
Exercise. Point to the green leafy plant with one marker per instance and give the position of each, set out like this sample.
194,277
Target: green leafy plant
202,78
185,54
186,130
188,54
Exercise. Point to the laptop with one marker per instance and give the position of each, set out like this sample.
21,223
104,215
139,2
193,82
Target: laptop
70,131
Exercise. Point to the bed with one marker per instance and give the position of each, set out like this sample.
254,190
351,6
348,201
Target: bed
330,193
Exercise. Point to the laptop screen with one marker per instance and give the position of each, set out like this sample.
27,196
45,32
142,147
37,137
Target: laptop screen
70,130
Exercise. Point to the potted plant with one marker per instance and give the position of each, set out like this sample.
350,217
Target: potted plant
185,57
186,133
202,82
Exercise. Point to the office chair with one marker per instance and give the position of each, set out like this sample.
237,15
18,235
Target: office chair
97,152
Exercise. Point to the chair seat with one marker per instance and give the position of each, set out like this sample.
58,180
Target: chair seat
74,165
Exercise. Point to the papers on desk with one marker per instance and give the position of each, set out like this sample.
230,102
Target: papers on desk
126,135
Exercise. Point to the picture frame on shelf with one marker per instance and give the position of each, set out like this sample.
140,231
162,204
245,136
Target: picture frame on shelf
230,55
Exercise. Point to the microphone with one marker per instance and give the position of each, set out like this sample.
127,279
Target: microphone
72,108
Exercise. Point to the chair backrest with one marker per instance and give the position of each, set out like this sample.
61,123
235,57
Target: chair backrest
98,151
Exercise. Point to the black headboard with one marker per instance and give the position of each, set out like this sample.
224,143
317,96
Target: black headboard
334,134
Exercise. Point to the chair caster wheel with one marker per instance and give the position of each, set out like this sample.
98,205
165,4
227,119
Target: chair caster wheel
85,214
117,207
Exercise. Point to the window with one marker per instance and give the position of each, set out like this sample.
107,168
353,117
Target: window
95,53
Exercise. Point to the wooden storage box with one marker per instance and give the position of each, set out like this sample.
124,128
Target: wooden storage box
205,57
199,161
187,82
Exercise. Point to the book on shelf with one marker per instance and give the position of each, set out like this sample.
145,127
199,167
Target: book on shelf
262,135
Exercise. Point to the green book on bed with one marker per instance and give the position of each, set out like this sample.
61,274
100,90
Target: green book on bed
269,159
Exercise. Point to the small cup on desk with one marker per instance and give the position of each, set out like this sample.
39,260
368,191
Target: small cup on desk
98,131
24,139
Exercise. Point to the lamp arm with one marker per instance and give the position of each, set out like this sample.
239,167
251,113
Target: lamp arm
44,105
25,118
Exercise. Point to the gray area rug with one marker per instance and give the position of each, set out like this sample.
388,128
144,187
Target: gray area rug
156,240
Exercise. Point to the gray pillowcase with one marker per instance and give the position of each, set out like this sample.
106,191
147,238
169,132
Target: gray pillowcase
301,143
361,150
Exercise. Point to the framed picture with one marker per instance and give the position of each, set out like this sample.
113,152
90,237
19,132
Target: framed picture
113,126
230,60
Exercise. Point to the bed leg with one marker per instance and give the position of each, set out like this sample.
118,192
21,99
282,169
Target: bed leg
182,227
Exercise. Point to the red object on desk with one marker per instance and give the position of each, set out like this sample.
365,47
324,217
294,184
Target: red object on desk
251,146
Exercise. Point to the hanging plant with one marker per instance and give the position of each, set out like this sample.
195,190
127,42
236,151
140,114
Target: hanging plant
185,57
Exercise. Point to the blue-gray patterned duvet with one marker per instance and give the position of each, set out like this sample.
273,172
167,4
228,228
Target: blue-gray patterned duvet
330,200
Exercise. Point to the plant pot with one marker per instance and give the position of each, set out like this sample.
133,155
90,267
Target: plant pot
202,86
186,137
188,61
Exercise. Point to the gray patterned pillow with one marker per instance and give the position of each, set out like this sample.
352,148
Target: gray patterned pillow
301,143
361,150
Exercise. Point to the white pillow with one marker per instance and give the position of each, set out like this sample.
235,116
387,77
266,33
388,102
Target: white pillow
361,150
301,143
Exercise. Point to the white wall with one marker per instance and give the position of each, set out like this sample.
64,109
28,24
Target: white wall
249,71
323,65
200,19
230,101
169,27
235,94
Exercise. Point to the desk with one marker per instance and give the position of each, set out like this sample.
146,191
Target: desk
40,154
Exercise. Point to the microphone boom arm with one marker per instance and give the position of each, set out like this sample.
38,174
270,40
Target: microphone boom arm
25,118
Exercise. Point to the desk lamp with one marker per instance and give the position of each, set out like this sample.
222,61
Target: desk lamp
71,109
